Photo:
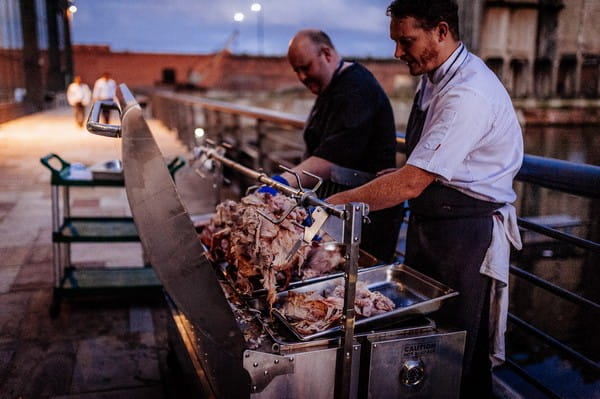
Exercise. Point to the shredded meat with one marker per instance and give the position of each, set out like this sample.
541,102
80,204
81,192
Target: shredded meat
309,312
256,248
252,244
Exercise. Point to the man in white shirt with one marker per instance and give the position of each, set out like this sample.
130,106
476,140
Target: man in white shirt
464,148
105,88
78,96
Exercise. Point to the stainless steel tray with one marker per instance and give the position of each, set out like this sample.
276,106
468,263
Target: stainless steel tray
412,293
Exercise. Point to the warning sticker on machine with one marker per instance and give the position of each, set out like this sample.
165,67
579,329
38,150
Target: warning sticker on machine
419,349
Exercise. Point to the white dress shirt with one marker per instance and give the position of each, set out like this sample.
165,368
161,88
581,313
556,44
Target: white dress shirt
104,89
78,93
471,137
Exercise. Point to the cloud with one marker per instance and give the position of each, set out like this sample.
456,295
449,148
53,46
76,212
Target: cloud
358,27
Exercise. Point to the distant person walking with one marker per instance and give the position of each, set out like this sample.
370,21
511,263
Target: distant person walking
78,97
105,88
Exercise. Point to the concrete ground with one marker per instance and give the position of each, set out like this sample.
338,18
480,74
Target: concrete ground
100,348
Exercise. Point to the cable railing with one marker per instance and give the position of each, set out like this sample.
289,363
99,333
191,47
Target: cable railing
254,132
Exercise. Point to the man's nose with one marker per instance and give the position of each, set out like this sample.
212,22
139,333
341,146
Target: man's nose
399,51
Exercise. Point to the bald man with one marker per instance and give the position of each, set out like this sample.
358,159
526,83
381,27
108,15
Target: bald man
350,134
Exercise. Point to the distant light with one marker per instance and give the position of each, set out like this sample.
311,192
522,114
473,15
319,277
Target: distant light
238,16
199,132
72,8
255,7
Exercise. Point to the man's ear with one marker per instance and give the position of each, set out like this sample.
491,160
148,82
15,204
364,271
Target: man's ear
327,52
443,30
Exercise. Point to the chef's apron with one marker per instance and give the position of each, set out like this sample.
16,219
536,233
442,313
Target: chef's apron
448,235
380,236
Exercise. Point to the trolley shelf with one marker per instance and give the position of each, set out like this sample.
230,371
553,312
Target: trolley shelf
96,229
140,281
97,280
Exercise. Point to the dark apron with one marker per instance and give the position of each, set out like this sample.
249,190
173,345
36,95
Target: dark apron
378,238
448,235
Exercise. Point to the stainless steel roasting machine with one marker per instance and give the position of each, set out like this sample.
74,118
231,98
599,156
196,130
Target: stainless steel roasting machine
234,346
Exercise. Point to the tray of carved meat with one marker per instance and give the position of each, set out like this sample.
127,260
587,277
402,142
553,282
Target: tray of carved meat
382,293
261,257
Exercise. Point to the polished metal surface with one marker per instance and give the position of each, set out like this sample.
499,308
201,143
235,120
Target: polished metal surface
170,240
426,366
307,374
93,124
411,292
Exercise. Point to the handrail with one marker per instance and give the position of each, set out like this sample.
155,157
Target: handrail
553,174
234,109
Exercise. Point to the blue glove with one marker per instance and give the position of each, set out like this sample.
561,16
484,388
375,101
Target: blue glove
271,190
308,221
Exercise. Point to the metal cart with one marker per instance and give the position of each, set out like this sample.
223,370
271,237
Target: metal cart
68,229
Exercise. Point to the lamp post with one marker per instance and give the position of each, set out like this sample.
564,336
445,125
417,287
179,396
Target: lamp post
257,8
238,17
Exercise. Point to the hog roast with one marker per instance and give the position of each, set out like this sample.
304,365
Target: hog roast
256,248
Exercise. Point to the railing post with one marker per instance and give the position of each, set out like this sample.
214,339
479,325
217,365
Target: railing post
260,162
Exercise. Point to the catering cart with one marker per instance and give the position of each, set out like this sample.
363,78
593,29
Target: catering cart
68,229
234,345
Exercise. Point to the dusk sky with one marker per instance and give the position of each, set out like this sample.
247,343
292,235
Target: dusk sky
358,28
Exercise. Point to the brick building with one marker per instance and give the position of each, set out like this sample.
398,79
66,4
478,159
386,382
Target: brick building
220,71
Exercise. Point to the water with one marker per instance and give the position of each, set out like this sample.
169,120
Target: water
566,266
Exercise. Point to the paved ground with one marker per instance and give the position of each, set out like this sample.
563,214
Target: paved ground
93,349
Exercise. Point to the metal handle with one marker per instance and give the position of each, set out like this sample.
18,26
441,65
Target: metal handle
93,124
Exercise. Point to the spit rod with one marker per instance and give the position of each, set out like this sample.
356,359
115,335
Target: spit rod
306,197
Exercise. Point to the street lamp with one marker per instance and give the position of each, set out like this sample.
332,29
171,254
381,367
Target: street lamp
256,7
238,17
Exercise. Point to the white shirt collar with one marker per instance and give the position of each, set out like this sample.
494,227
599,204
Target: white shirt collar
441,71
441,76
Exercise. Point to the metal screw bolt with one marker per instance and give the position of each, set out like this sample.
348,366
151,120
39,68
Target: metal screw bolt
246,355
291,359
276,361
266,372
255,364
374,345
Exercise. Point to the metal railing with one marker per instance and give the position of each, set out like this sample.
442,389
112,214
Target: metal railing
225,121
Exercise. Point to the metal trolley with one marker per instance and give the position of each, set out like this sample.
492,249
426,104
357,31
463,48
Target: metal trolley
228,344
68,229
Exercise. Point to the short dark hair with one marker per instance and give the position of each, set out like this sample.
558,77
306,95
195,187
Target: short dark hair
318,37
428,12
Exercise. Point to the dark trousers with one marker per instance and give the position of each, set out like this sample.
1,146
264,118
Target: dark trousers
79,111
451,251
448,236
106,116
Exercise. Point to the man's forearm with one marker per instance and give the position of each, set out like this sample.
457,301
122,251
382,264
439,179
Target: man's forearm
315,165
388,190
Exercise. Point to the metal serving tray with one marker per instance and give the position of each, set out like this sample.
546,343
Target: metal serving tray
412,293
